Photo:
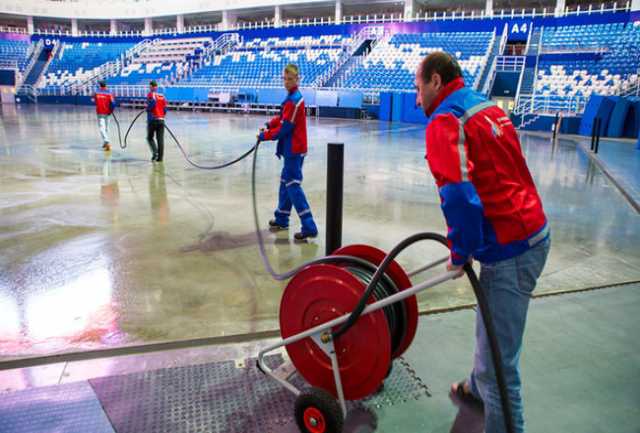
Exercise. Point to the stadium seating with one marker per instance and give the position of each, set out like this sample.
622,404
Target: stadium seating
76,61
174,50
301,42
574,61
583,37
14,51
143,73
258,62
392,63
162,60
611,69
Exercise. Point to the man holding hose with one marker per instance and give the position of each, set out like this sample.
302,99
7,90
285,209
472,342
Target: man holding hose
494,215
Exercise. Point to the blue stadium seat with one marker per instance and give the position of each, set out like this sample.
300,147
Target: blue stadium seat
14,51
391,65
78,60
611,69
259,63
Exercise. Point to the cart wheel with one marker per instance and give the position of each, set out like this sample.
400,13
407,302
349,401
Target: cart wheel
317,411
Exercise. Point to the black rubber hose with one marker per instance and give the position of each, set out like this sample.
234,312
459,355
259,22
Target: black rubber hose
355,314
115,119
208,167
131,126
482,303
184,153
495,347
261,245
396,313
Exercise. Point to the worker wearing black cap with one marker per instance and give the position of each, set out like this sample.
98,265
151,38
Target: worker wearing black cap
156,110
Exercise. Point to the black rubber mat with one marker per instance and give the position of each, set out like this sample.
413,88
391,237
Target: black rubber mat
225,398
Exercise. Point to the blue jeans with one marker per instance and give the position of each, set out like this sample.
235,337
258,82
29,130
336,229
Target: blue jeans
508,285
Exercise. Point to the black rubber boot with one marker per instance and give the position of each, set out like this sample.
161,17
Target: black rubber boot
274,226
304,236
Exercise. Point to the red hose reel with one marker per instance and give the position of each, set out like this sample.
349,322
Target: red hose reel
322,292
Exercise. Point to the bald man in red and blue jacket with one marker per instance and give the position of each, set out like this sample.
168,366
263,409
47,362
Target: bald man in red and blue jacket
494,215
290,129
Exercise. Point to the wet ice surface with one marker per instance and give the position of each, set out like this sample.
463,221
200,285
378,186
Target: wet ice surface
101,250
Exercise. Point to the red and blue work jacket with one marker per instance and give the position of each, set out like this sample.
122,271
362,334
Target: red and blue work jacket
105,102
488,197
156,106
290,127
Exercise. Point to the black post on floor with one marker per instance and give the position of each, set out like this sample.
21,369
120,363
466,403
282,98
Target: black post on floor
556,126
593,133
598,136
335,180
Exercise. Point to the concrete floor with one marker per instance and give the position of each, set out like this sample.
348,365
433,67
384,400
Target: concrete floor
621,158
580,371
102,250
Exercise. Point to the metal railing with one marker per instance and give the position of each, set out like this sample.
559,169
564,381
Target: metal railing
345,73
34,58
227,40
11,29
141,91
28,91
504,39
355,19
491,77
532,46
527,104
117,90
54,53
529,35
488,83
137,49
8,64
107,70
487,56
92,33
510,63
573,49
222,44
520,80
632,90
372,33
540,104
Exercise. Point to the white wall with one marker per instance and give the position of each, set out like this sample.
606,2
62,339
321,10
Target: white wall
95,9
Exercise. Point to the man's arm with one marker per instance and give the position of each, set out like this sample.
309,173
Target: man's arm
460,202
151,103
273,123
284,127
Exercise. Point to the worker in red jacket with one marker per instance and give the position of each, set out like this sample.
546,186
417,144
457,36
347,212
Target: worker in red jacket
105,104
290,129
494,215
156,110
